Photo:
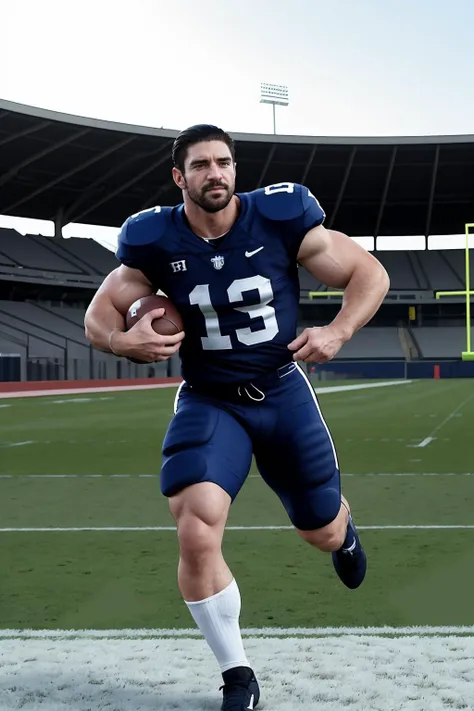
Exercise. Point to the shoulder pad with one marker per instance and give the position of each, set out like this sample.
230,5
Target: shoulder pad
145,227
286,201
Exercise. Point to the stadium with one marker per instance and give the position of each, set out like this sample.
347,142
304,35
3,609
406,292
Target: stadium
88,542
69,169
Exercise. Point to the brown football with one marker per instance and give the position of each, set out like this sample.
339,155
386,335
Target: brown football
169,324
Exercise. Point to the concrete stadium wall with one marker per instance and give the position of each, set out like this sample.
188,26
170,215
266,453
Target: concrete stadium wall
394,369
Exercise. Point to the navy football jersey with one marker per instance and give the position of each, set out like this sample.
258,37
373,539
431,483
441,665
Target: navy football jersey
238,298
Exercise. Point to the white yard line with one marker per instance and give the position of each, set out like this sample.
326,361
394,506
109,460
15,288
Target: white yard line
119,388
84,391
127,529
426,441
159,633
361,386
250,476
431,437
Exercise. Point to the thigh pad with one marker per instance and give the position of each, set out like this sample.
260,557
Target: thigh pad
192,426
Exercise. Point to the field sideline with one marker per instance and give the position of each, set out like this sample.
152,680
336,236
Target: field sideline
173,383
91,618
358,669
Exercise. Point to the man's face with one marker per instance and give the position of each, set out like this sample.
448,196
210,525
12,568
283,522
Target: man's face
209,175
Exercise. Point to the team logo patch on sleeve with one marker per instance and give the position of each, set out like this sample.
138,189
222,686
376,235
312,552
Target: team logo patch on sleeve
179,266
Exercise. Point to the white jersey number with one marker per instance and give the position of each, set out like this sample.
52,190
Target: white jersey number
287,188
214,340
280,188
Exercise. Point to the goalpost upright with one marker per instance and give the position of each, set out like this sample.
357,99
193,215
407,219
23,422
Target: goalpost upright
468,354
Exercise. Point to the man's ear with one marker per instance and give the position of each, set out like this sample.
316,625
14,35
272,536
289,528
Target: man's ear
178,178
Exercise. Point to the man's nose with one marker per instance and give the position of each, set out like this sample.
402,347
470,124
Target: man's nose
214,172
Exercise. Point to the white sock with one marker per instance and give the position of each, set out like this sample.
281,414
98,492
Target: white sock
218,619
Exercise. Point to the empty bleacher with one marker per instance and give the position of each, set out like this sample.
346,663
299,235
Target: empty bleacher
373,342
24,251
401,270
41,332
97,258
440,341
424,270
431,270
81,257
444,269
400,266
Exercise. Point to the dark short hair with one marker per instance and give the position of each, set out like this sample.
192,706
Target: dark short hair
197,134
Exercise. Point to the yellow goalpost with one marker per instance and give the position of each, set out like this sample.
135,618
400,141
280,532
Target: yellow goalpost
468,354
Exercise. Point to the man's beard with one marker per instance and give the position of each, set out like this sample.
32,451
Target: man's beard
208,201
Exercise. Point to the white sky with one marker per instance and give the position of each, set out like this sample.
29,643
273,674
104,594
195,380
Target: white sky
353,67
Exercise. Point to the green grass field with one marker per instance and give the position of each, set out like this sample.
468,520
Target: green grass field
95,462
91,618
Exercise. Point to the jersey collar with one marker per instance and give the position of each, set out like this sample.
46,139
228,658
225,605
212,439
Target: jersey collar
235,236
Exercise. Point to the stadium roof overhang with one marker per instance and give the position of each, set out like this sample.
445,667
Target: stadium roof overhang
75,169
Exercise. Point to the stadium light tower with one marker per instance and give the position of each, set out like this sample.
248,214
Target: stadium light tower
274,94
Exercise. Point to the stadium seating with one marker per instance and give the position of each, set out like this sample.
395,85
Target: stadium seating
56,333
94,257
427,270
33,252
439,341
66,256
417,270
400,267
380,342
444,269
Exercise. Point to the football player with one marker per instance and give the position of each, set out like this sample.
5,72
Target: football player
229,262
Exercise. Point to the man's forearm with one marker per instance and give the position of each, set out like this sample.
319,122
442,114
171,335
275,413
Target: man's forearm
102,320
362,299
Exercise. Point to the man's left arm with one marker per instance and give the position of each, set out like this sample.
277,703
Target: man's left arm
339,262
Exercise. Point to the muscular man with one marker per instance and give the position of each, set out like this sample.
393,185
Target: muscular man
229,262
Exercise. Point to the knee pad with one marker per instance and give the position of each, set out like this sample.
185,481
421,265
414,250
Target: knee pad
314,508
323,507
184,455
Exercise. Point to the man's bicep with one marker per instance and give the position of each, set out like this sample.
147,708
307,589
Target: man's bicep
331,256
122,287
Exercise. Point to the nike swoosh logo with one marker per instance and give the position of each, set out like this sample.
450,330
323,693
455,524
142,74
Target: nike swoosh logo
350,549
250,706
250,254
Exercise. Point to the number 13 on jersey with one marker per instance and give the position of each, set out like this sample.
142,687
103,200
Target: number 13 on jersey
214,340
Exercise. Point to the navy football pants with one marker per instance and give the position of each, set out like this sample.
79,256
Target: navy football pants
278,419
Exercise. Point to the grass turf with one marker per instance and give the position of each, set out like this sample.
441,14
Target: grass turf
128,579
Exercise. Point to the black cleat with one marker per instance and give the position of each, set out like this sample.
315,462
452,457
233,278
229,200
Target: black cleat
351,563
241,692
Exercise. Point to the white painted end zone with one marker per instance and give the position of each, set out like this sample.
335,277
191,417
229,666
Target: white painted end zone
363,672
